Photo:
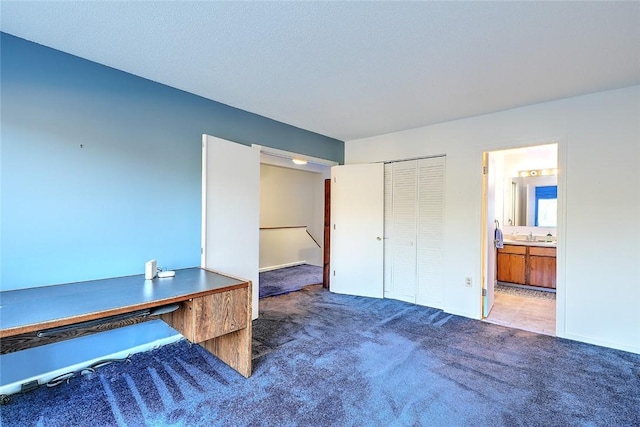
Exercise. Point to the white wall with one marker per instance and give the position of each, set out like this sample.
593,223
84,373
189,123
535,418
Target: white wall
598,295
290,197
286,247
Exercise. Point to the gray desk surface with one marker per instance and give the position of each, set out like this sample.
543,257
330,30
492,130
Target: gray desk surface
75,301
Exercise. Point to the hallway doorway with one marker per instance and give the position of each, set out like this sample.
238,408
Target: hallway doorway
292,194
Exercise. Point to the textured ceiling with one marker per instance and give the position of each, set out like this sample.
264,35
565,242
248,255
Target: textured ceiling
352,69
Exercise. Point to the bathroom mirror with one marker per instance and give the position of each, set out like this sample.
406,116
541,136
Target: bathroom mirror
532,201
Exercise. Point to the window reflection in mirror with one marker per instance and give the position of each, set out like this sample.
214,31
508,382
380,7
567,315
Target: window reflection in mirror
529,210
547,215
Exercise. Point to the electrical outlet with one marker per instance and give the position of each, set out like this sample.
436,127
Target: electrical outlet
468,282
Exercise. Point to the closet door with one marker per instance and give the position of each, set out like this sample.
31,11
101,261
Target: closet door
357,217
388,227
430,232
403,256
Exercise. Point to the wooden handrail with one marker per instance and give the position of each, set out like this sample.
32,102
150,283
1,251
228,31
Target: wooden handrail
293,226
312,238
287,226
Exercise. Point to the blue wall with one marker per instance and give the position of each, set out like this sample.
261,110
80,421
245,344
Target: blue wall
101,170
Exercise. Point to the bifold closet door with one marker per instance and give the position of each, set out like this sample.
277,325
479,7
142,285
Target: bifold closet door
430,232
414,231
402,231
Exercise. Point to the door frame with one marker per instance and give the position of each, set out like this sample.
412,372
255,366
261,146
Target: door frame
488,241
326,247
283,158
562,143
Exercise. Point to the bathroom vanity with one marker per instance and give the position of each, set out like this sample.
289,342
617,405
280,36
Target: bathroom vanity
527,263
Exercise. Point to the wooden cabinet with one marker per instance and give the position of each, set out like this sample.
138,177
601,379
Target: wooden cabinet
542,267
527,265
512,264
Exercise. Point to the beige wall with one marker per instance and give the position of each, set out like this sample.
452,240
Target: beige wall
599,198
290,197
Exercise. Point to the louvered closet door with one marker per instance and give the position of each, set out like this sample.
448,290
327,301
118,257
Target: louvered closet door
414,231
403,231
430,232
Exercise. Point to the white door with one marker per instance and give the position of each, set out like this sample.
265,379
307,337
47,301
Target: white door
404,213
231,210
490,225
414,231
357,212
430,232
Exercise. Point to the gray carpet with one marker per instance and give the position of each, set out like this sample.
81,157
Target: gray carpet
288,279
323,359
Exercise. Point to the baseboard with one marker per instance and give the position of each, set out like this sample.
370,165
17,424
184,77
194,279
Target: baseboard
404,298
44,363
275,267
602,343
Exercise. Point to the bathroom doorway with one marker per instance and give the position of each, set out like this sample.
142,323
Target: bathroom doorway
520,199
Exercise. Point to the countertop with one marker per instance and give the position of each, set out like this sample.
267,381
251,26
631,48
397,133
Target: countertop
529,243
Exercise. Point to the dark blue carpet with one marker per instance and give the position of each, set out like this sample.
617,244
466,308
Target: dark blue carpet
323,359
288,279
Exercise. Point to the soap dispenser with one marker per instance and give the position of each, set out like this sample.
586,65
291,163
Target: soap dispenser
549,238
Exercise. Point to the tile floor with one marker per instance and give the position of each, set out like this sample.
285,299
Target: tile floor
527,313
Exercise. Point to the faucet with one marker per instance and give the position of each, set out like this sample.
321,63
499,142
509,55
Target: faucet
530,237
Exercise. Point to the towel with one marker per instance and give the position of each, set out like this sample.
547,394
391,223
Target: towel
498,238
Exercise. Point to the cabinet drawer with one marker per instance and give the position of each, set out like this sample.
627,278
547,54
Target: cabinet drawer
540,251
513,249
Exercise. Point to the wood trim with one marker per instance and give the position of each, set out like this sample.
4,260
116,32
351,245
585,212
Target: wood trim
283,227
31,340
327,235
313,238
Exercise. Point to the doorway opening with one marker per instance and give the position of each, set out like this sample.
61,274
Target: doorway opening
520,200
292,197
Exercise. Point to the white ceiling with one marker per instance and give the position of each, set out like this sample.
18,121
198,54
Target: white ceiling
352,69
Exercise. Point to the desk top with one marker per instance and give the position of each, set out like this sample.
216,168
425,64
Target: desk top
34,309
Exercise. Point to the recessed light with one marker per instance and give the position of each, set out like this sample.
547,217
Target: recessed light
299,161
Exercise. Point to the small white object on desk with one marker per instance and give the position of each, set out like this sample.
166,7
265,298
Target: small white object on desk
163,274
150,268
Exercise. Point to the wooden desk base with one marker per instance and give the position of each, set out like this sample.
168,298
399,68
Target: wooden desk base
221,323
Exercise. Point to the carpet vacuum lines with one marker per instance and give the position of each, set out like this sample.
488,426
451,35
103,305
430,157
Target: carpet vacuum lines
339,360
